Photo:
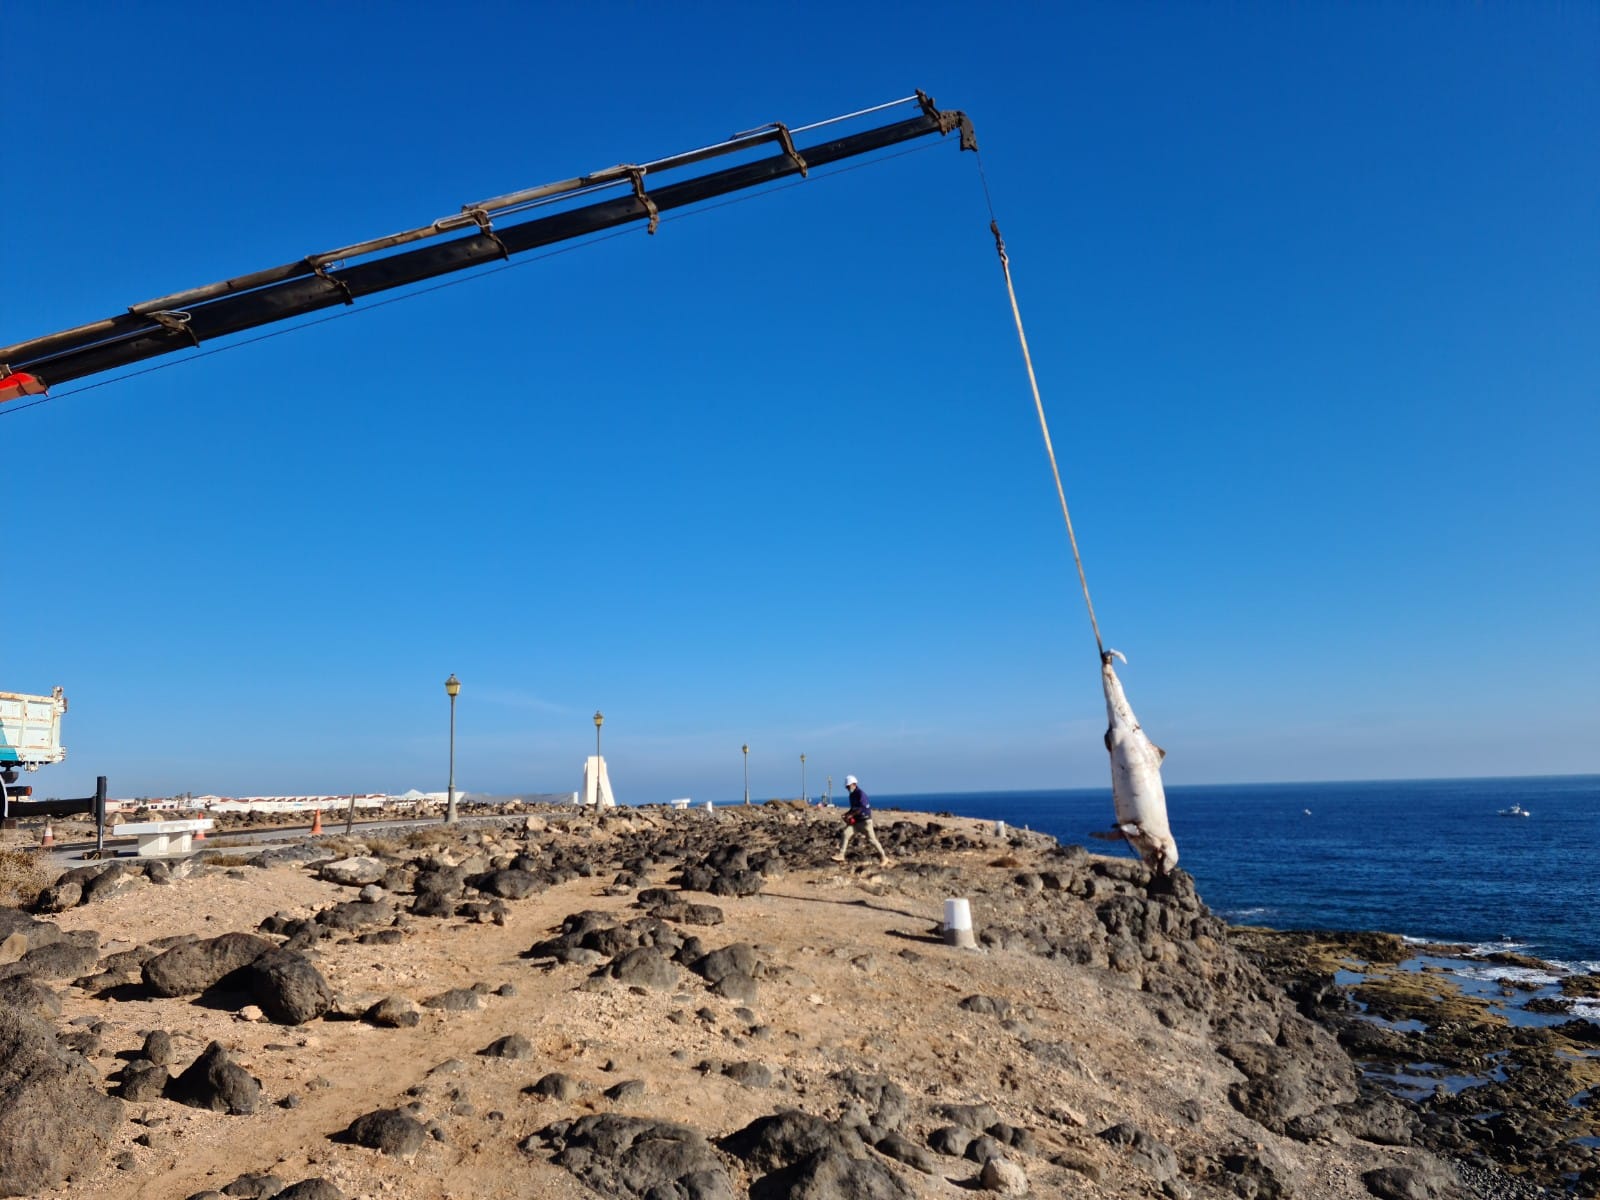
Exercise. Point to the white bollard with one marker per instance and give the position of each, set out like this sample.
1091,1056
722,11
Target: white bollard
709,808
999,829
958,924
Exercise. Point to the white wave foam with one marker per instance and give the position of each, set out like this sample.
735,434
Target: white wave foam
1582,966
1510,975
1589,1010
1504,946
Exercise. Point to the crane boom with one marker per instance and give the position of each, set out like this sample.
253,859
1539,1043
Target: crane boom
343,276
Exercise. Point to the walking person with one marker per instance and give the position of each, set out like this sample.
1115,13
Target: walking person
859,817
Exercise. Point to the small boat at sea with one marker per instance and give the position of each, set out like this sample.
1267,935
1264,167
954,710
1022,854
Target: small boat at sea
1516,810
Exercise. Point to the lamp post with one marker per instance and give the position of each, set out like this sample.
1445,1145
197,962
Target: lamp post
746,749
803,799
599,720
452,687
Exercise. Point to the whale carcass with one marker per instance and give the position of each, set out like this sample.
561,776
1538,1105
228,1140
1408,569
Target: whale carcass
1141,801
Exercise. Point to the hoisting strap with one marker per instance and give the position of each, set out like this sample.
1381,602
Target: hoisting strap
1044,426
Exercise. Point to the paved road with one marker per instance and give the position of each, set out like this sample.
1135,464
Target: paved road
77,853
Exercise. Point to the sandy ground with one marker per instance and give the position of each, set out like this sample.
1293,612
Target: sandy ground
861,980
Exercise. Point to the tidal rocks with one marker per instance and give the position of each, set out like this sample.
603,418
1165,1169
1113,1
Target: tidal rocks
55,1121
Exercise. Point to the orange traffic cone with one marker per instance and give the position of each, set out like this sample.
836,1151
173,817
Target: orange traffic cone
49,838
200,834
316,823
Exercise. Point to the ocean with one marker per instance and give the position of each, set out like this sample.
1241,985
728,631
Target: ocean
1430,859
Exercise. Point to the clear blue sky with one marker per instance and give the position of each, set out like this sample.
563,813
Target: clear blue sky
1313,291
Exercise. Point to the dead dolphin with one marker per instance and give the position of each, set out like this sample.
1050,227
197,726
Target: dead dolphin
1141,801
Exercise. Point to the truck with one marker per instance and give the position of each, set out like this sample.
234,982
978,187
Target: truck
30,732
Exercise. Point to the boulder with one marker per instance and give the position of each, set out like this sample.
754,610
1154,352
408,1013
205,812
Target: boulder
254,1186
21,994
355,915
902,1149
644,967
389,1131
882,1104
315,1188
509,884
455,1000
1143,1151
289,989
513,1045
118,880
143,1081
194,967
832,1175
787,1137
354,872
55,1121
750,1074
20,933
635,1157
740,957
1003,1176
64,959
394,1012
157,1047
1423,1179
556,1086
59,896
214,1081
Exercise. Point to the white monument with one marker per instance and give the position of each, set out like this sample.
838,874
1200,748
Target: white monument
596,784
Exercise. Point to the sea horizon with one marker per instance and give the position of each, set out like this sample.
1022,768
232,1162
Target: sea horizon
1431,859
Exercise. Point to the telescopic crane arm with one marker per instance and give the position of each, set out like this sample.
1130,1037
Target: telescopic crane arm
481,233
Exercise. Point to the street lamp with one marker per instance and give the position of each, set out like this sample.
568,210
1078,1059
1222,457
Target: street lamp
452,687
803,799
599,720
746,749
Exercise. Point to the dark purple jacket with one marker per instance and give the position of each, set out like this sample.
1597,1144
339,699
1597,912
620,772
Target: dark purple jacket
860,806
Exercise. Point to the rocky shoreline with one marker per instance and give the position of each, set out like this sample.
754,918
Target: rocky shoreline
1484,1087
649,1003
